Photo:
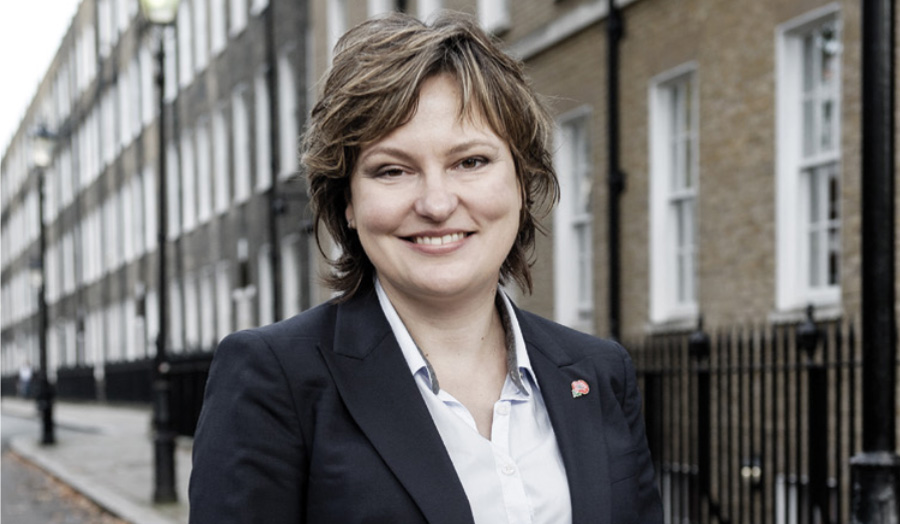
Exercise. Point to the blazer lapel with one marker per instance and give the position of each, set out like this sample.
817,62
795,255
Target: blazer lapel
576,422
381,395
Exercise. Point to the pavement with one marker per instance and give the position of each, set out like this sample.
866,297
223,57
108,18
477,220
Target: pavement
108,458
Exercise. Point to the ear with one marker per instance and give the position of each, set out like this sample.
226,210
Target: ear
349,215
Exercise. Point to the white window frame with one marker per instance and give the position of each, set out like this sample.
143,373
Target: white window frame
185,27
238,12
204,172
288,130
262,131
266,285
574,300
201,35
218,26
240,145
667,276
291,283
220,161
793,291
425,9
494,15
379,7
336,24
223,299
188,181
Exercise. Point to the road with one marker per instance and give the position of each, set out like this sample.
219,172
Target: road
30,496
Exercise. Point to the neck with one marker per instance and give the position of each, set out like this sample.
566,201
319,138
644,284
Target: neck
451,328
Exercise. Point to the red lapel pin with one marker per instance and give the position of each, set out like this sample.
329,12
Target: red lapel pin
579,388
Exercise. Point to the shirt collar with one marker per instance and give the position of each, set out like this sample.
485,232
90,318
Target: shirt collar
518,363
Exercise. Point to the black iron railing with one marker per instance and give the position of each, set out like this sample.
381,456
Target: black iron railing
753,425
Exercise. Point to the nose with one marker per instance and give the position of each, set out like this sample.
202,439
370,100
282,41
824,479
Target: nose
437,200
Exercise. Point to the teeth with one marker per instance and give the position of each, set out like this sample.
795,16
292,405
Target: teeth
437,241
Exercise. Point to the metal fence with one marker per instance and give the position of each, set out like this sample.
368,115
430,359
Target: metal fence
755,424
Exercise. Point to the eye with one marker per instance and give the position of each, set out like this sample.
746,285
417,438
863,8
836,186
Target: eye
473,162
389,172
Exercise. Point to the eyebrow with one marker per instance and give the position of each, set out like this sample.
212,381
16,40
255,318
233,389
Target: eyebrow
406,157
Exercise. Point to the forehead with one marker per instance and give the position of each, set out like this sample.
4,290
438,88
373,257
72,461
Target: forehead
440,98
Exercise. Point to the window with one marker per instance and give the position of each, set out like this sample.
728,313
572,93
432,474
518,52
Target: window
127,223
188,182
287,118
217,11
257,6
123,110
809,157
494,15
238,16
150,203
185,45
137,209
427,8
337,23
105,29
207,311
380,7
241,146
573,229
191,313
290,276
263,132
176,318
223,300
171,87
220,161
148,88
173,222
204,173
674,170
201,36
266,286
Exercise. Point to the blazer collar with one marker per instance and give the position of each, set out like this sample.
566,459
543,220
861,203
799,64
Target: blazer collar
577,423
380,393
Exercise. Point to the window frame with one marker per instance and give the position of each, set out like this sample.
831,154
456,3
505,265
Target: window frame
569,308
665,273
793,291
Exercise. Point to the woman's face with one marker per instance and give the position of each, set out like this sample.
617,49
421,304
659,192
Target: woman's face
436,202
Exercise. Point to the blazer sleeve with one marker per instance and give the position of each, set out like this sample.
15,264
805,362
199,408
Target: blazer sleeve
648,504
249,458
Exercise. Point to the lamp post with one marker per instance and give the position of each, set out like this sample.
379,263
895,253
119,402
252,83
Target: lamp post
43,142
161,14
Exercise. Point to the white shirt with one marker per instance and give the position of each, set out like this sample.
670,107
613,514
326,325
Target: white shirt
517,476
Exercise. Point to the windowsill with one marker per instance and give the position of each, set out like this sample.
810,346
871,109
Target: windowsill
821,313
685,324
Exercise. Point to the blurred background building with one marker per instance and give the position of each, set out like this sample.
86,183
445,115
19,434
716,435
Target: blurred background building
709,159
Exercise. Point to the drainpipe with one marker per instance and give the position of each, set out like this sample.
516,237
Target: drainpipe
615,176
876,471
276,203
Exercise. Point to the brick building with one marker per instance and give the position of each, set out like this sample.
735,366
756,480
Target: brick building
739,143
235,102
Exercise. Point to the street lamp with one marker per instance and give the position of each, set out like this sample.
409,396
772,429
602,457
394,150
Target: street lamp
43,142
161,14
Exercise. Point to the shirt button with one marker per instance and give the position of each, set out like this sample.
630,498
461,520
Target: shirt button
503,409
508,469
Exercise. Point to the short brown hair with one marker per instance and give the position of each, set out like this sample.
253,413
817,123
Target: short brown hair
373,88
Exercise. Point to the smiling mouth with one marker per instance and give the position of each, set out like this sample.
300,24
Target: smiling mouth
438,241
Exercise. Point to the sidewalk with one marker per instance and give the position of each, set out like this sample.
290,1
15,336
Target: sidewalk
108,457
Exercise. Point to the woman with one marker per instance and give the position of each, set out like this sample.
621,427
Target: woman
421,394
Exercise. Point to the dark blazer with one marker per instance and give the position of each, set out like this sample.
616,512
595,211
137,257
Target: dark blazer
318,419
